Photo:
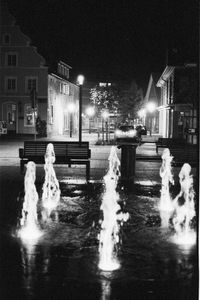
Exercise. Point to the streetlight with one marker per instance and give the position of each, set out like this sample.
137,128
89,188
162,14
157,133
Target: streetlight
71,108
151,107
90,111
80,80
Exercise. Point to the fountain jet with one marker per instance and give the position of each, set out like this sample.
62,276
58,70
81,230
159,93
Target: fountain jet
184,208
29,221
51,190
165,205
113,217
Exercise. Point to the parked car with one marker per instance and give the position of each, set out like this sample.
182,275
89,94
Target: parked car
126,133
142,130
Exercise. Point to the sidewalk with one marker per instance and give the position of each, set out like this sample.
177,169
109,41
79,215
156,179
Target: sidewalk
147,163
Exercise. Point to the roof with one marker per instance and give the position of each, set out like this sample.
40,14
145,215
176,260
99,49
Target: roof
152,88
166,73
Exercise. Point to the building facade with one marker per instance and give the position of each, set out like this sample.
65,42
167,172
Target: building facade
63,103
22,69
151,118
28,92
178,104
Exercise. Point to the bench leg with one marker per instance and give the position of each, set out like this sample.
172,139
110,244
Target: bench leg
88,171
156,150
21,166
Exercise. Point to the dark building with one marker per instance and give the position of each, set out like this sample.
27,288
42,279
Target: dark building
178,103
22,71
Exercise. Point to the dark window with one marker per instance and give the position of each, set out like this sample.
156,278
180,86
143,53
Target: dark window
11,84
32,84
12,60
6,39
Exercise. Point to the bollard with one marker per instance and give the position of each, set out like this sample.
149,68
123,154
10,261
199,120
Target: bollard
128,158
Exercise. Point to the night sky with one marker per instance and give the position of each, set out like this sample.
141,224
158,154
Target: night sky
110,40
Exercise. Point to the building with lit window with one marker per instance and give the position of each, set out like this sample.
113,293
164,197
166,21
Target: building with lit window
151,118
27,89
22,69
63,103
178,103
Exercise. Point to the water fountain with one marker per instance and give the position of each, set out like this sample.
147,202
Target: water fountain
51,190
165,205
113,217
29,221
63,262
184,208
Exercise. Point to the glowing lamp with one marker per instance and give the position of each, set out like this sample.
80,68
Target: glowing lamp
80,79
151,106
90,111
105,114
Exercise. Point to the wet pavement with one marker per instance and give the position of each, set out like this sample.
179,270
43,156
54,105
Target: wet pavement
63,263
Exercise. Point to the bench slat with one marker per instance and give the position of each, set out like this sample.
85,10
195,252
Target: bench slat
65,152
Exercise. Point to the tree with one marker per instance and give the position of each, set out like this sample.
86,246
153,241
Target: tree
118,100
105,98
131,101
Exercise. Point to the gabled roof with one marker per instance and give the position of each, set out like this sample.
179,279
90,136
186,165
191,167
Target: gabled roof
152,89
166,73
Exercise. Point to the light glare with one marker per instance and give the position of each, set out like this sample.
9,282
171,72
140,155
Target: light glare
80,79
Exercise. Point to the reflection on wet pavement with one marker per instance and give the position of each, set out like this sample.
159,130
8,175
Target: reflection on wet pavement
63,263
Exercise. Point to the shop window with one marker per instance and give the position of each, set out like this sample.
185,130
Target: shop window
28,116
11,113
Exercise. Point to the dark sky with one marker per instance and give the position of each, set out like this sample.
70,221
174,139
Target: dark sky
110,40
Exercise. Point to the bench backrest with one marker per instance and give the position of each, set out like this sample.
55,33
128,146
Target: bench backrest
62,149
171,141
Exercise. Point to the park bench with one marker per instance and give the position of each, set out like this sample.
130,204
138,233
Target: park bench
170,143
186,154
69,153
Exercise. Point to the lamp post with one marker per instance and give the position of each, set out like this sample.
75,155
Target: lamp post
105,115
33,96
71,108
90,111
80,80
151,107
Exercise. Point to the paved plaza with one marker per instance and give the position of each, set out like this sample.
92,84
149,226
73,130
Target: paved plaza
147,162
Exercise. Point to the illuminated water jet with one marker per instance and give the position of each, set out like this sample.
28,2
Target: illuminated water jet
184,208
113,217
165,205
29,221
51,190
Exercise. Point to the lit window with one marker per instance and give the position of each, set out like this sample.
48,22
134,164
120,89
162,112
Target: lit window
28,116
51,115
61,88
66,89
